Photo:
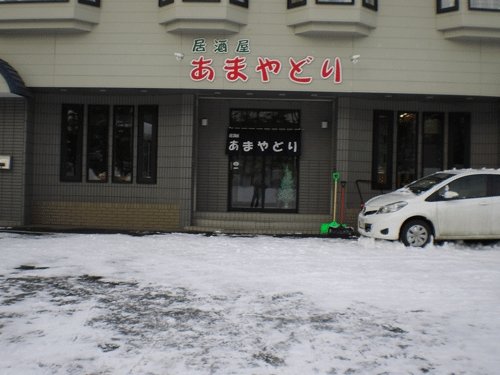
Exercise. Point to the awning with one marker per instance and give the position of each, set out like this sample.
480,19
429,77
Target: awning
11,83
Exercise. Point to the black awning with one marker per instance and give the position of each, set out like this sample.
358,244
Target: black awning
13,79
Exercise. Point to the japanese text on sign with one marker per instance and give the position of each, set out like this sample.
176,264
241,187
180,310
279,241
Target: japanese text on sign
236,68
241,141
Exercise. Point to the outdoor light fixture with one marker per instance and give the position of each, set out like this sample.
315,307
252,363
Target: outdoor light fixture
355,58
179,56
324,124
204,122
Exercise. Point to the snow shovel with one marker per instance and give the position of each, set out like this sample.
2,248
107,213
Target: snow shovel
334,228
325,227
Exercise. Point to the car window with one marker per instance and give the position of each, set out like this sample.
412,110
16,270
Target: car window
493,185
428,182
468,187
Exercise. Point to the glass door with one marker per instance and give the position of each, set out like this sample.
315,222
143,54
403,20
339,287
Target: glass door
263,183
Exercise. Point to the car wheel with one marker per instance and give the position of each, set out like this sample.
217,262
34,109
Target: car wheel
416,233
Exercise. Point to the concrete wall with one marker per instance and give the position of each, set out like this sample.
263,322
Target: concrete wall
128,47
13,128
165,205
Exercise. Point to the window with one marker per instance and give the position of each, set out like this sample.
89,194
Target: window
147,144
96,3
444,6
406,155
241,3
71,142
164,2
33,1
97,143
371,4
346,2
382,150
98,146
123,143
249,118
432,142
484,5
295,3
263,147
459,140
493,185
470,187
201,1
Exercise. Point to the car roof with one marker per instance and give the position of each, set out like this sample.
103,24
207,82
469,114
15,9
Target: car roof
466,171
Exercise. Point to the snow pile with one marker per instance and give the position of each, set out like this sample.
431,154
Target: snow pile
191,304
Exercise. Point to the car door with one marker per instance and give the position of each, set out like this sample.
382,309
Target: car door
465,211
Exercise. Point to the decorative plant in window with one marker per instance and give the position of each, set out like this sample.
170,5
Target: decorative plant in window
286,192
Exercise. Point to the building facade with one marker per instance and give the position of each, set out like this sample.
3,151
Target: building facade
231,115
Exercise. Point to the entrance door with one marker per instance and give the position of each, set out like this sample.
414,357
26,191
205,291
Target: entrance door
263,183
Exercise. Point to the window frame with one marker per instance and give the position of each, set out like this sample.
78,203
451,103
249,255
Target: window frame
295,3
32,1
441,9
105,146
482,9
78,168
140,178
241,3
369,5
424,154
401,146
462,119
114,177
335,2
94,3
376,185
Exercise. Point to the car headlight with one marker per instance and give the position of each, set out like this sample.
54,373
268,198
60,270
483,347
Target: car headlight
393,207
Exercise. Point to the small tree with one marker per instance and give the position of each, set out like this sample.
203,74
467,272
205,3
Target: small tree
286,193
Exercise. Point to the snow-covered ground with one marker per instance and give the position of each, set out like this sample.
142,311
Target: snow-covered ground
191,304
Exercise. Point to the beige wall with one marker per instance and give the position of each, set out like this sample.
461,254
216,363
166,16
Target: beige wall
128,47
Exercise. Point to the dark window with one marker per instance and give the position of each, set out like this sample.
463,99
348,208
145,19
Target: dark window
371,4
382,150
295,3
71,142
33,1
164,2
493,185
123,143
484,5
97,143
147,144
459,140
96,3
242,3
406,158
250,118
470,187
443,6
432,142
346,2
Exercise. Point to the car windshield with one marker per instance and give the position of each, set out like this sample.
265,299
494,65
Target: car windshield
424,184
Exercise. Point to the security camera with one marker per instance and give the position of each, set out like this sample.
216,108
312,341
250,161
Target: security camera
355,58
179,56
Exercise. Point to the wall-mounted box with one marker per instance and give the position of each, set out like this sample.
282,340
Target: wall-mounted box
5,161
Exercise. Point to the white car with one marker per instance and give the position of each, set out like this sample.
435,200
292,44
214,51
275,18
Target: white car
449,205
